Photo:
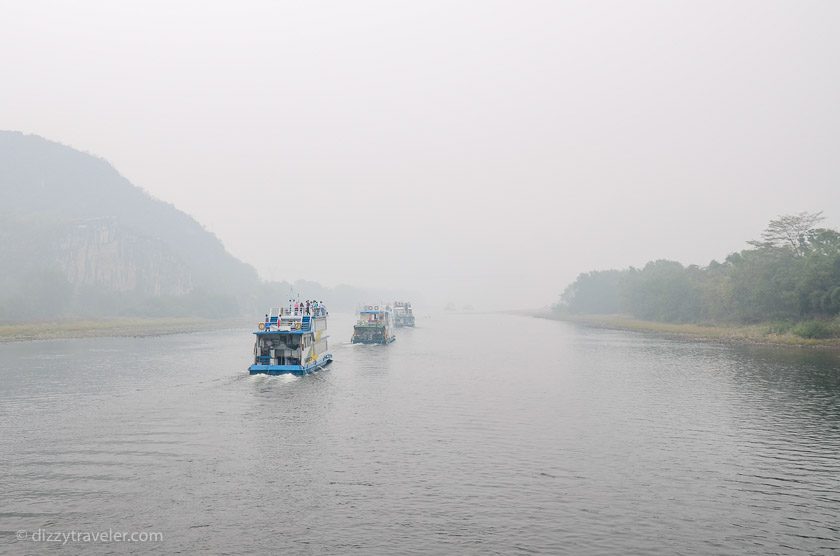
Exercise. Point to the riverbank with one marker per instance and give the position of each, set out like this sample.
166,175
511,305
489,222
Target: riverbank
122,327
764,333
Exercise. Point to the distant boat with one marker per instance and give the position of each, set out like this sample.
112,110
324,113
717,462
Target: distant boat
291,341
403,314
375,325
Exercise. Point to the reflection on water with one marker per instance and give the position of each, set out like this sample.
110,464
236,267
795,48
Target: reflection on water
469,434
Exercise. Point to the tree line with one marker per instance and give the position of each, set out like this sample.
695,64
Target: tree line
791,274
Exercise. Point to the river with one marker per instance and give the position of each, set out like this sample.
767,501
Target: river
477,434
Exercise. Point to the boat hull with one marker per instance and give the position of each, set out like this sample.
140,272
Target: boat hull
369,341
291,369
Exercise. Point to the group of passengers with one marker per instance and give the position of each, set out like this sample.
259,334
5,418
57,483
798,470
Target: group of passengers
308,307
299,309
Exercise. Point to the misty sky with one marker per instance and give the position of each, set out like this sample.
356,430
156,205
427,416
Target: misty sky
481,151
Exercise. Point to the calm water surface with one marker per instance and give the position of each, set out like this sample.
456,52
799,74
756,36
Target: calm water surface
471,434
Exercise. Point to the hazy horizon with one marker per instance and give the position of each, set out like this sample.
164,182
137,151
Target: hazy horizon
479,152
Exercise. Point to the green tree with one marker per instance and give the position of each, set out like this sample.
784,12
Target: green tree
595,292
664,291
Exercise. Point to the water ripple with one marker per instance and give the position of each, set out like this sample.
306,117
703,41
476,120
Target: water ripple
448,441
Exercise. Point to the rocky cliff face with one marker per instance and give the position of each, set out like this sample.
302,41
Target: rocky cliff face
99,253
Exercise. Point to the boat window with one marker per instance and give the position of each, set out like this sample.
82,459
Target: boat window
279,341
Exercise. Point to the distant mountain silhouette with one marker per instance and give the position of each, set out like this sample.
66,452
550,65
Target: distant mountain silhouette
77,237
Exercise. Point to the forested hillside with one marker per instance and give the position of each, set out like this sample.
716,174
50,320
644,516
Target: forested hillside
790,275
77,238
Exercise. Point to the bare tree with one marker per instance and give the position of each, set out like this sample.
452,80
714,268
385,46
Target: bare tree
790,231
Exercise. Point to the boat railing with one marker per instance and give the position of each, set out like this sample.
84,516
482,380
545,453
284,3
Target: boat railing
365,322
299,313
288,320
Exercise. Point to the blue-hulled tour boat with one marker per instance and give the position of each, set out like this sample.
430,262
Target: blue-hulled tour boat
292,340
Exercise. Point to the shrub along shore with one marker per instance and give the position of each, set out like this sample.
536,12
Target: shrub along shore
771,333
120,327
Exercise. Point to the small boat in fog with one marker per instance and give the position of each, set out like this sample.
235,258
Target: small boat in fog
292,340
375,325
403,314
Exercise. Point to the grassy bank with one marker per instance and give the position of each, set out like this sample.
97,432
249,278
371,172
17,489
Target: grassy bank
107,328
784,334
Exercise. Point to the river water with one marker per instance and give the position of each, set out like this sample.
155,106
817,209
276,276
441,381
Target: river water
471,434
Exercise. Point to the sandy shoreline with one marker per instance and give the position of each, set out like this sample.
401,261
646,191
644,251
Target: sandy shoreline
758,334
104,328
